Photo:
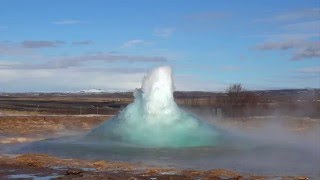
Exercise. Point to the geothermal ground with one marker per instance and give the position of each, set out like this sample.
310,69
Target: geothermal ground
29,118
18,130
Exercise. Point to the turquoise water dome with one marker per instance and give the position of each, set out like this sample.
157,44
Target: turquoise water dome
155,120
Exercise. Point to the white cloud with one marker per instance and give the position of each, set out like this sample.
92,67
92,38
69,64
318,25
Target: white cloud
4,63
122,79
301,14
308,70
231,68
86,42
41,44
303,49
283,35
25,47
164,32
297,15
74,72
306,26
135,43
78,61
8,48
303,24
66,79
307,53
68,22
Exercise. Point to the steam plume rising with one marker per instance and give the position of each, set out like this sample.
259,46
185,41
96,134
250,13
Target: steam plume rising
155,120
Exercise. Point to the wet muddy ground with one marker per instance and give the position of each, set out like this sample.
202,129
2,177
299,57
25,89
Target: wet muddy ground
40,166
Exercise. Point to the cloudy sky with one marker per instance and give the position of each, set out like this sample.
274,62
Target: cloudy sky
66,45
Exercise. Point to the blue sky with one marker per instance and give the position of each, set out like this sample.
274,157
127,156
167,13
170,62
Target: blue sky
67,45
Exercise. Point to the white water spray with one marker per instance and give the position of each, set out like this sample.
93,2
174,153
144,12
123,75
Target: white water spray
155,120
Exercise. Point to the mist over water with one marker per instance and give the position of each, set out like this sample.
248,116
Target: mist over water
155,120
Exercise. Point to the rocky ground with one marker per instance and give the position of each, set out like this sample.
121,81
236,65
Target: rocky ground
18,129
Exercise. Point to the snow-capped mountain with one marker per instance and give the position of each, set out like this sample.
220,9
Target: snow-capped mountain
93,91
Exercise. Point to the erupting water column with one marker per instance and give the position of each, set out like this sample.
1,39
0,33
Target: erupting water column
154,119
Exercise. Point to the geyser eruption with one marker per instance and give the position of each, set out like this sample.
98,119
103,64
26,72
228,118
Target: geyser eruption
154,119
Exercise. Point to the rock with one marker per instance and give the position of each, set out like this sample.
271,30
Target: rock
133,178
224,174
74,172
